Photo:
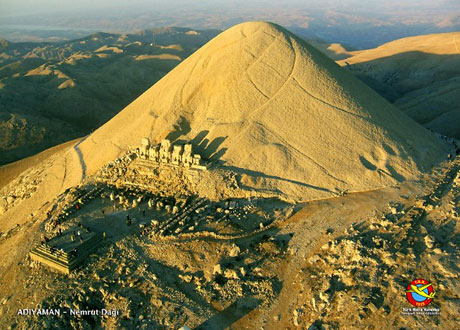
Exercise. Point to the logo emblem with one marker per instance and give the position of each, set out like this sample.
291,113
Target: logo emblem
420,292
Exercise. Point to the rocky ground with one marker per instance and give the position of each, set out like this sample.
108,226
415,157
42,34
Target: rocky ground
356,277
336,263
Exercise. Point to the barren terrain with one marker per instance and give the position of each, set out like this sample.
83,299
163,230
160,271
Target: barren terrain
335,263
419,75
54,92
257,185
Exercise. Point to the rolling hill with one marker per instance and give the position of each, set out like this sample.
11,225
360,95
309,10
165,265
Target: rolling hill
267,105
53,92
420,75
329,197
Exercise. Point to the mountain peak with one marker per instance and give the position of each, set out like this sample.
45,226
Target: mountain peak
271,107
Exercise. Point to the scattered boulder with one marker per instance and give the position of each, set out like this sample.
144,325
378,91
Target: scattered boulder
186,278
242,271
231,274
217,269
235,251
10,199
296,313
429,241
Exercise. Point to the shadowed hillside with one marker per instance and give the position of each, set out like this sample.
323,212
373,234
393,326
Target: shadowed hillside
258,184
420,75
287,118
53,92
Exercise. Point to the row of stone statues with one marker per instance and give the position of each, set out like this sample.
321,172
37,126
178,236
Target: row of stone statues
167,153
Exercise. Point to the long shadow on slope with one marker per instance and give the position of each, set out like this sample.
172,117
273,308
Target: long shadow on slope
209,149
244,305
202,145
169,277
80,157
182,127
231,314
199,137
256,174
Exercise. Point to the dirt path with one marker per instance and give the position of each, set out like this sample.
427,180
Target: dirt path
80,157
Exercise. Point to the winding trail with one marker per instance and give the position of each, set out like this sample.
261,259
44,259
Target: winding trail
80,157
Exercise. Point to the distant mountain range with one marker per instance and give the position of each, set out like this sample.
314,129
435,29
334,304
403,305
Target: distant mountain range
420,75
53,92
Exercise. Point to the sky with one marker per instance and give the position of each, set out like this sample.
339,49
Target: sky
27,7
9,8
347,21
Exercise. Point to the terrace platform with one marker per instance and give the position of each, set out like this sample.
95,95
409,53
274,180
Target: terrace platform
63,254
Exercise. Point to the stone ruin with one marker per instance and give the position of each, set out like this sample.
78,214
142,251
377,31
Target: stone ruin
64,254
166,153
159,167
